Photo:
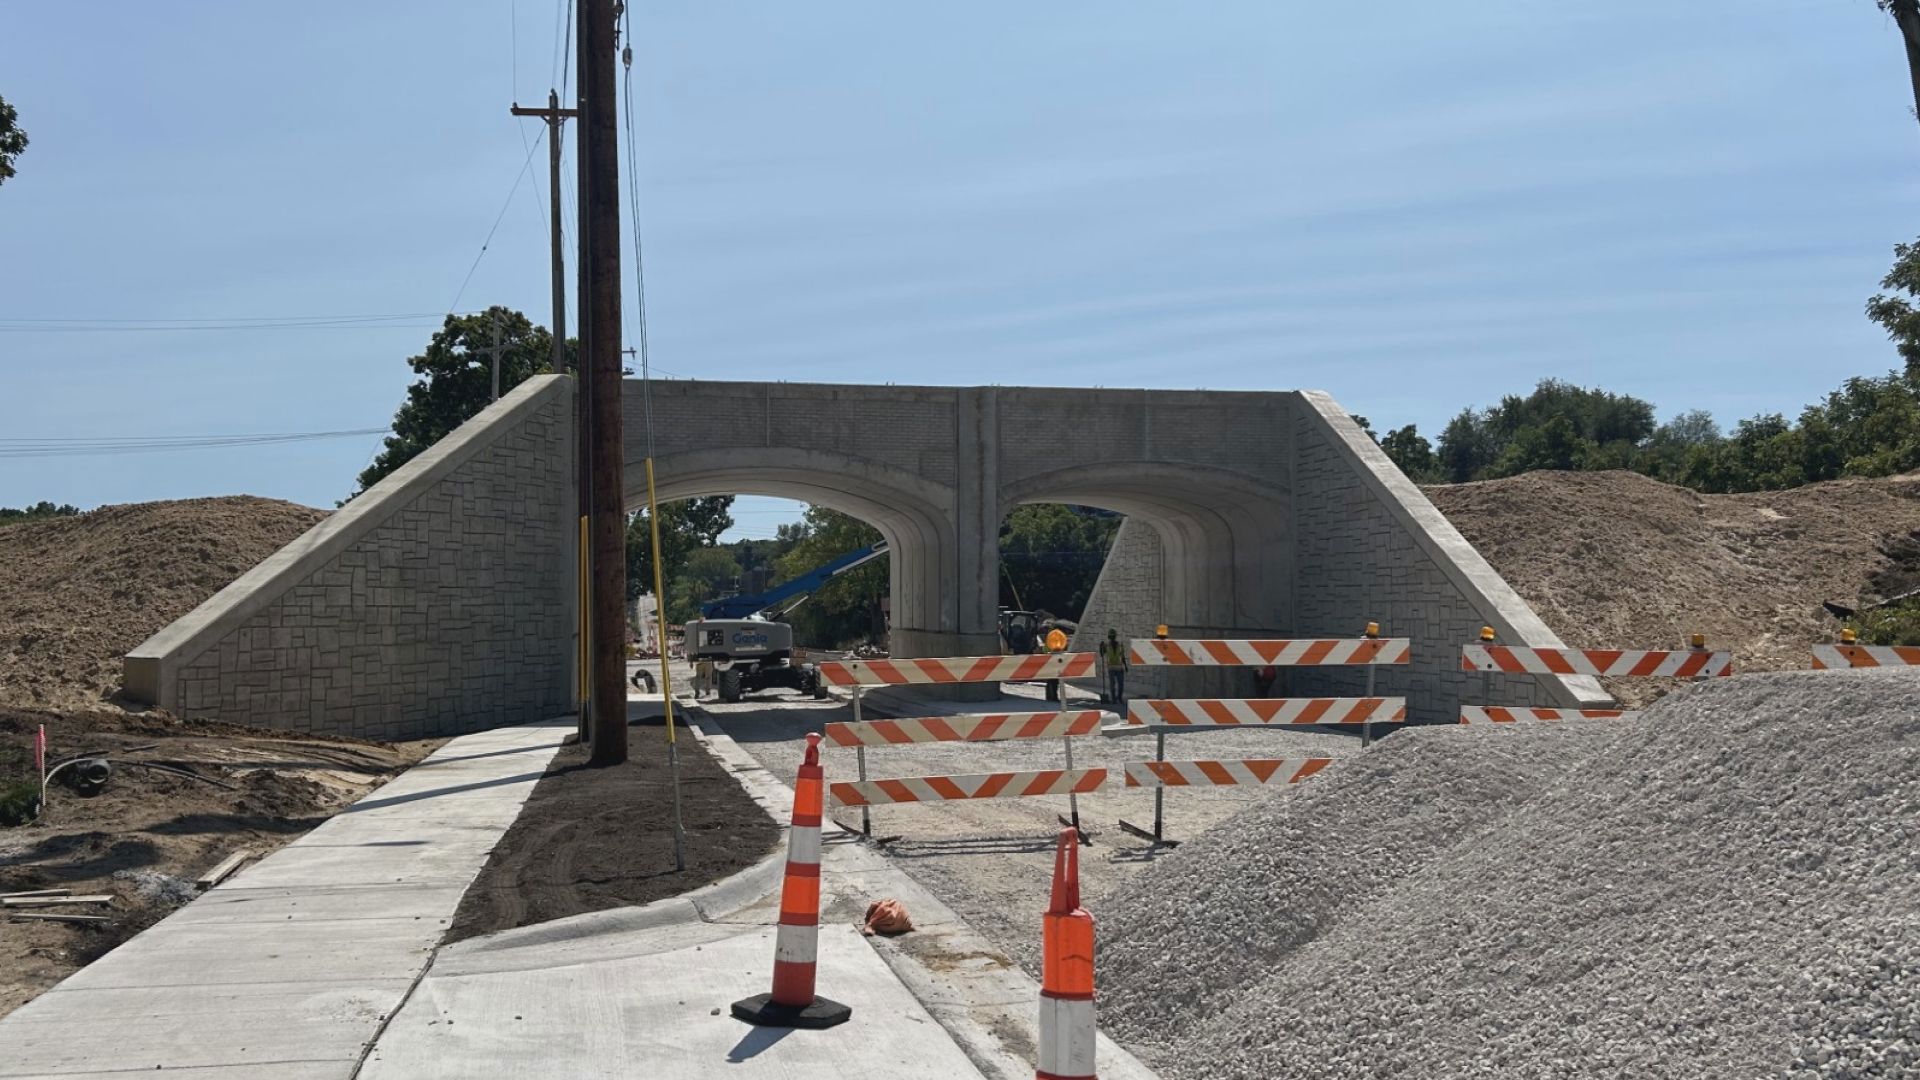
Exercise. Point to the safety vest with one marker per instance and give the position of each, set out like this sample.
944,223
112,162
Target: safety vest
1113,654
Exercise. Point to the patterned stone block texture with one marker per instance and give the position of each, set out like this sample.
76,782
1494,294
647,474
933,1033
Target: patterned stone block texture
1128,598
451,616
1355,563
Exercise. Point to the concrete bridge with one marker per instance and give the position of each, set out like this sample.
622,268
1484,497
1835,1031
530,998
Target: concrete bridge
937,469
441,600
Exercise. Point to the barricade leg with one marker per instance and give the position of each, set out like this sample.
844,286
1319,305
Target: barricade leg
1067,1026
860,761
793,1002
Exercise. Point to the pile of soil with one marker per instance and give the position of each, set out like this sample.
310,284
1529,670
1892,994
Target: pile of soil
590,838
76,593
1619,560
148,834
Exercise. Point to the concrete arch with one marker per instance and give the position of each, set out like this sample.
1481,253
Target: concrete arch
914,514
1225,535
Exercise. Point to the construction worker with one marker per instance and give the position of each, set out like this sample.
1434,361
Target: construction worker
1056,644
1113,657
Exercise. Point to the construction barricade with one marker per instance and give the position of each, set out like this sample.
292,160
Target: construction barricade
1849,653
1489,658
1173,715
793,1002
1065,725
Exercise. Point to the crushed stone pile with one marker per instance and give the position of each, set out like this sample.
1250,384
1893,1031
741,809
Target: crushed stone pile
77,592
1619,560
1726,887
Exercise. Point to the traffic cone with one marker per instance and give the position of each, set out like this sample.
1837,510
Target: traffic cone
1066,973
792,1002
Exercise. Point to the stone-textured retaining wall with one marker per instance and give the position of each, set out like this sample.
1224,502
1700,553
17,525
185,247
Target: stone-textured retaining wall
438,602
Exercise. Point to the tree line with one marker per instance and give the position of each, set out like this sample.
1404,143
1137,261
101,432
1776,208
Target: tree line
1869,426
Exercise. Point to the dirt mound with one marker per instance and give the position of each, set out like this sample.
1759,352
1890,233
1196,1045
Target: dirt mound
77,592
1615,559
1724,887
150,832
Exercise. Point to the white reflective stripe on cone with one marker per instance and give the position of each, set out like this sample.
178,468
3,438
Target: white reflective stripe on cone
796,944
804,845
1066,1037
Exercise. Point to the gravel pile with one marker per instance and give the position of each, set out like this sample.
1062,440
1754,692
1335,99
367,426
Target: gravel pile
1725,888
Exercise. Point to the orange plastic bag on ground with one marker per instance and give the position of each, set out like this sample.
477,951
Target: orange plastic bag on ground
887,916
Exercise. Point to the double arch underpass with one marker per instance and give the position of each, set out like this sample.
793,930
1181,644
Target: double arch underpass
444,598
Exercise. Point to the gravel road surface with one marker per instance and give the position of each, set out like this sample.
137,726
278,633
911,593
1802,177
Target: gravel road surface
992,859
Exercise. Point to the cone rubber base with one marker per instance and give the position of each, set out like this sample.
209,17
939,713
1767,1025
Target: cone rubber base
760,1009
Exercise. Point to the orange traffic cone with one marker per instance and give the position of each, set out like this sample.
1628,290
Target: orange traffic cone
1066,973
793,1003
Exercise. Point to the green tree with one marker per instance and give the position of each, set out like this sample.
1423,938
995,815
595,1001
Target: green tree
455,381
13,140
1411,451
1896,313
1051,555
686,526
846,611
707,573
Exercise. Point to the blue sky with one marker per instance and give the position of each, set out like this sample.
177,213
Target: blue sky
1416,209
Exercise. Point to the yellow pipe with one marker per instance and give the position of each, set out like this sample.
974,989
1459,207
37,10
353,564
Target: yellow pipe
660,605
581,662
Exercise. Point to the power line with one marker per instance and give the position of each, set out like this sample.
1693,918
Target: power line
525,166
639,262
106,445
284,322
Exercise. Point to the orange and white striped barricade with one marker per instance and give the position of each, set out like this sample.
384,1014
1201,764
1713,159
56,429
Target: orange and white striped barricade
1256,712
1370,650
1000,785
793,1002
858,674
1067,1027
1849,654
1519,714
1244,771
1489,658
1064,725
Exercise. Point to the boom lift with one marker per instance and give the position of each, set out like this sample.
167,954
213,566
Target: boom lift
749,650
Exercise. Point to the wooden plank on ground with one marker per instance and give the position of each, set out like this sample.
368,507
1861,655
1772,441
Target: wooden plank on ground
34,892
49,916
48,901
227,866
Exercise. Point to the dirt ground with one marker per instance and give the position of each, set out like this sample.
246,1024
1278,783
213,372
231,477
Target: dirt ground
1615,559
590,839
76,593
991,860
148,834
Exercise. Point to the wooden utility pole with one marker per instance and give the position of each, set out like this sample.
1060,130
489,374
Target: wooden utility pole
582,393
495,351
554,115
600,199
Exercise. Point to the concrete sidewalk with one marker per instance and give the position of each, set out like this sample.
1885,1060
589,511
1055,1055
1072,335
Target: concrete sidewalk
289,969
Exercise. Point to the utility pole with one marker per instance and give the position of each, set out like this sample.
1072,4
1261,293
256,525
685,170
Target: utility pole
554,115
600,204
582,391
495,350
